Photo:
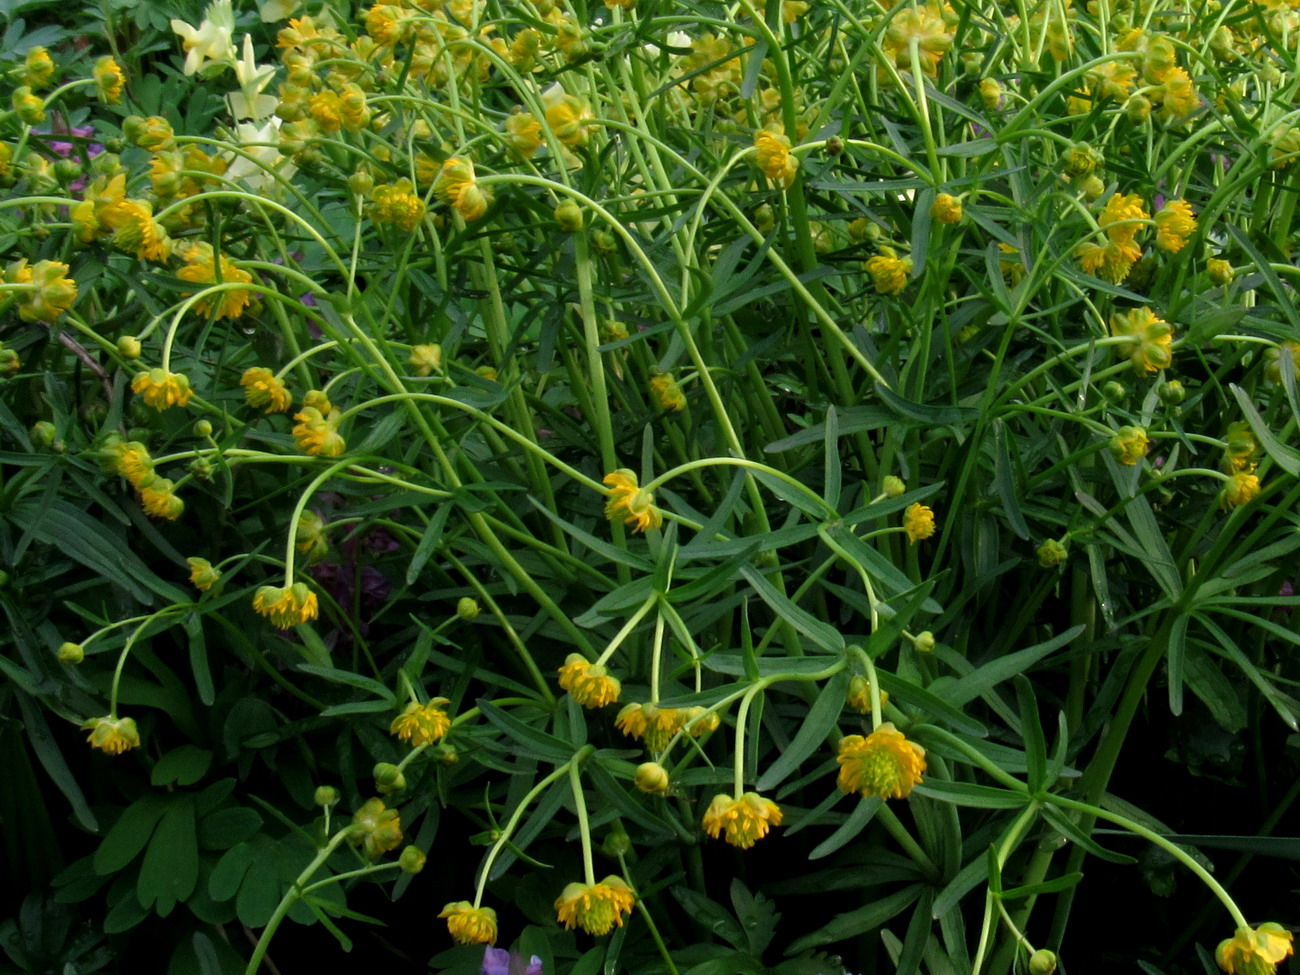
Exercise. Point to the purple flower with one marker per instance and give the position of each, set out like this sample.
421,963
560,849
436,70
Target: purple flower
498,961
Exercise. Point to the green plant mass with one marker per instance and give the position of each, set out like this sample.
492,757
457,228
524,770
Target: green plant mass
654,486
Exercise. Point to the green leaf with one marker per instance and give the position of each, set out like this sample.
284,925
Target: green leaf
758,916
930,415
1062,823
226,828
429,543
229,872
1175,660
130,834
1285,457
534,741
181,766
996,671
51,758
970,794
1214,689
832,468
352,680
822,634
854,923
935,708
712,916
822,716
1054,886
864,810
1032,733
1004,481
171,865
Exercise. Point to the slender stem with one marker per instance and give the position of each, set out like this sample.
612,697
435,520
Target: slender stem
584,827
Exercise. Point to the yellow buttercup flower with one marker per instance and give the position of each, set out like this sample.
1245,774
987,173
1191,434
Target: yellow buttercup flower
203,575
1178,97
591,685
667,393
888,271
422,724
288,606
567,116
425,359
457,186
135,231
1241,447
523,134
596,908
1255,951
1129,445
1175,223
1241,488
883,764
926,24
265,391
859,695
397,203
649,721
161,389
109,80
380,828
1120,219
746,820
1151,348
111,734
38,67
946,208
204,266
471,925
309,536
132,461
918,522
53,294
1111,260
317,433
772,153
627,500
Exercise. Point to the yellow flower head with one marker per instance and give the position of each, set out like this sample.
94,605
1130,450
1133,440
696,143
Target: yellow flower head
457,186
523,134
567,116
109,80
203,266
1274,356
1129,445
133,462
918,522
883,764
772,153
1151,348
667,393
591,685
628,501
1240,489
161,389
288,606
318,434
859,696
1174,224
380,828
471,925
203,575
596,908
1178,97
889,271
422,724
309,536
158,498
265,391
946,208
1255,951
649,721
324,107
135,231
1111,260
1241,447
397,203
1119,217
425,359
926,24
53,294
112,735
746,820
38,67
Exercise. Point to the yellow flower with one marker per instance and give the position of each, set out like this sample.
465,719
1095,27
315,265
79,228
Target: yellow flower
425,359
1152,339
109,80
889,271
53,294
422,724
596,908
111,734
1111,260
203,266
946,208
135,231
772,153
649,721
457,186
380,828
397,203
523,134
859,696
202,574
132,461
746,820
317,433
1174,224
883,764
667,393
1255,951
627,498
918,522
151,134
38,67
1240,489
1129,445
288,606
325,108
28,107
926,24
1120,217
1220,271
161,389
471,925
309,536
990,94
1241,447
264,390
1273,358
1178,97
589,684
567,116
651,778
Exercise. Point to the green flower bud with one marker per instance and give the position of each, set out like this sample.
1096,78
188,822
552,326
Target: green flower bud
1042,962
924,642
326,796
1171,393
1115,392
412,859
389,779
569,216
128,347
616,843
361,183
71,654
893,486
203,429
1051,553
43,433
467,609
651,777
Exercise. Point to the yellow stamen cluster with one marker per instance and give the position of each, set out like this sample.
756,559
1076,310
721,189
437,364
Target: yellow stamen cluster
1255,951
422,724
596,908
203,266
470,925
317,432
883,764
398,204
288,606
745,820
161,389
265,391
772,153
111,734
591,685
629,502
1130,445
888,271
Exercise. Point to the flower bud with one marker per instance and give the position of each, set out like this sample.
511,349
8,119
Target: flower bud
361,183
29,108
946,208
43,433
152,133
893,486
203,429
67,171
651,777
467,609
1091,187
834,145
412,859
604,243
1171,393
326,796
569,216
445,754
10,364
764,218
1052,553
128,347
1219,270
389,779
1042,962
924,641
1137,108
71,653
1114,392
1082,160
616,843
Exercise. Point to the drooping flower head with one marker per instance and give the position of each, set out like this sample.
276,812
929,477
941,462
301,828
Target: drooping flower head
883,764
422,724
1130,445
288,606
1241,489
380,828
649,721
628,501
112,735
159,500
265,391
918,522
591,685
161,389
596,908
859,695
1255,951
458,187
203,266
203,574
317,433
1175,223
746,820
1151,348
772,154
470,925
888,271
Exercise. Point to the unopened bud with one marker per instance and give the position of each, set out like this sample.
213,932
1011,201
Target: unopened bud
203,429
128,347
569,216
893,486
651,777
43,433
616,843
1042,962
467,609
924,641
1052,553
71,653
326,795
412,859
1171,393
389,779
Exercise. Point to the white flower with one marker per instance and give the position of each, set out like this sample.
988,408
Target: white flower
211,40
261,142
249,103
675,38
